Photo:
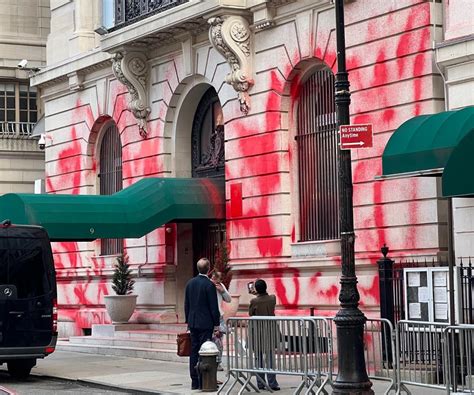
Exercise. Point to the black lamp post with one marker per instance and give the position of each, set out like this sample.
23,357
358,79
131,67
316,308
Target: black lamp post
352,377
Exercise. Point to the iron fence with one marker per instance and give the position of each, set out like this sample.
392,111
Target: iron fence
393,292
466,281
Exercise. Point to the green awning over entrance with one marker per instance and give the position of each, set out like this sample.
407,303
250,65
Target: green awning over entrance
130,213
424,144
458,177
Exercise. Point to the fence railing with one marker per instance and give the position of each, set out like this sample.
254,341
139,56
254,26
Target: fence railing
129,11
466,281
16,129
393,292
419,354
459,358
379,342
295,346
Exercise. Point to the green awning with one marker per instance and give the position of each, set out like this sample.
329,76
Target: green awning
130,213
424,144
458,177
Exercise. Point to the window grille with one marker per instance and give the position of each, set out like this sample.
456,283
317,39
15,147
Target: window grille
317,148
111,178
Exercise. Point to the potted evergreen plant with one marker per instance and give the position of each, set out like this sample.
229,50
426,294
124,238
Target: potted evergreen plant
122,305
222,265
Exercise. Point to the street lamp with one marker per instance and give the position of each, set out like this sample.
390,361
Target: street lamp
352,377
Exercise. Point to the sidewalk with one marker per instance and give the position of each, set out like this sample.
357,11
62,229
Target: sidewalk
146,376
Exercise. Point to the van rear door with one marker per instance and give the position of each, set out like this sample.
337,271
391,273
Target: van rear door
27,287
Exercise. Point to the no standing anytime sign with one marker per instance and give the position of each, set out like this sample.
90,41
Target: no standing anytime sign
356,136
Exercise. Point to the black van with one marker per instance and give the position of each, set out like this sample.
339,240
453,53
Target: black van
28,307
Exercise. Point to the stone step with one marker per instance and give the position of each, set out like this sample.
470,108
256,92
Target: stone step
132,352
124,342
157,330
169,327
148,334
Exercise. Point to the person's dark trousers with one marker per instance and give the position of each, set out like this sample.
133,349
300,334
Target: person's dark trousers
198,337
262,362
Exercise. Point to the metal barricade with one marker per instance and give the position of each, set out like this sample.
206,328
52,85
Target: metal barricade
420,355
459,358
297,346
380,351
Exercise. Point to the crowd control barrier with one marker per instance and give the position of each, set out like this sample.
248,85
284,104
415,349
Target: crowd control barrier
297,346
420,355
380,351
459,358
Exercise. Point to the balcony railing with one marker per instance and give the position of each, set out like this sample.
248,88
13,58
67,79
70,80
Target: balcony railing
16,129
130,11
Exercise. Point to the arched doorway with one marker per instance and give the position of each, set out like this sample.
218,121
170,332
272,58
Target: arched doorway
208,160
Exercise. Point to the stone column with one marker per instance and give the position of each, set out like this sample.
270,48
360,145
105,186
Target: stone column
86,19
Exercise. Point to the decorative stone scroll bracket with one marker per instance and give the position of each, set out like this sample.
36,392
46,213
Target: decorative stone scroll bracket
230,36
131,69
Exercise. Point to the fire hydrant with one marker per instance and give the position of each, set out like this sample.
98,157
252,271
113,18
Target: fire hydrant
207,366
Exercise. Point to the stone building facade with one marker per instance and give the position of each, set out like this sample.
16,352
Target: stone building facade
455,59
154,80
24,28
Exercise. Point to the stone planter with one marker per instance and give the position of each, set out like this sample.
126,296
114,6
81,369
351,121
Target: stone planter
120,307
230,309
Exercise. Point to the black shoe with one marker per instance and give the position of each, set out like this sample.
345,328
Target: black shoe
195,386
275,388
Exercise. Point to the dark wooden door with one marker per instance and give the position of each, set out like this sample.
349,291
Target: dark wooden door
207,237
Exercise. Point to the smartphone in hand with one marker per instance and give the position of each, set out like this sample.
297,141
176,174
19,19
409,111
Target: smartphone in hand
251,287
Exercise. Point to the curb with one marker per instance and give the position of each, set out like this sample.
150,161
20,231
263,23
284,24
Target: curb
98,384
101,385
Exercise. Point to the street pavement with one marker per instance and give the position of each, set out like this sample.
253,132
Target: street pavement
138,376
40,385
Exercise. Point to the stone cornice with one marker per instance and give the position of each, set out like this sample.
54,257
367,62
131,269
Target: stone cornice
90,62
455,51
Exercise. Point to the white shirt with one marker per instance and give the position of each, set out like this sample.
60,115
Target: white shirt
224,296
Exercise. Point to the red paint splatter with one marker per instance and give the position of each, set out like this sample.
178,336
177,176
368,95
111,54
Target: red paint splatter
281,289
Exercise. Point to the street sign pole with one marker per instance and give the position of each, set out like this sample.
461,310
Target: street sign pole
352,377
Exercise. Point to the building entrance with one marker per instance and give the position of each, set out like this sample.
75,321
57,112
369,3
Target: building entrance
208,161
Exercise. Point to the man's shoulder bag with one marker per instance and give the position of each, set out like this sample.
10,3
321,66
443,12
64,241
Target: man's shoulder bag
183,341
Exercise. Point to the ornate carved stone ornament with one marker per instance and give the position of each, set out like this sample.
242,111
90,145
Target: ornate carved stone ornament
131,69
230,35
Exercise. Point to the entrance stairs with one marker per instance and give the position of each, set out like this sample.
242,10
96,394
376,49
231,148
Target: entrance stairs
149,341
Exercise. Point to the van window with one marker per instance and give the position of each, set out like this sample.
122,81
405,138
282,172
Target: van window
22,264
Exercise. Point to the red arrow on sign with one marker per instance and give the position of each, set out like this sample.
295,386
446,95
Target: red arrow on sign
356,136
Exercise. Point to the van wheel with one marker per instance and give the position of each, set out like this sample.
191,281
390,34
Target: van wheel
20,369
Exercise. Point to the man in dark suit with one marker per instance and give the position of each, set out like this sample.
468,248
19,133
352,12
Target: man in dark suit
202,314
264,305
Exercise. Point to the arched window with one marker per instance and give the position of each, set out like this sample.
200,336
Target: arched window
316,139
110,176
208,137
